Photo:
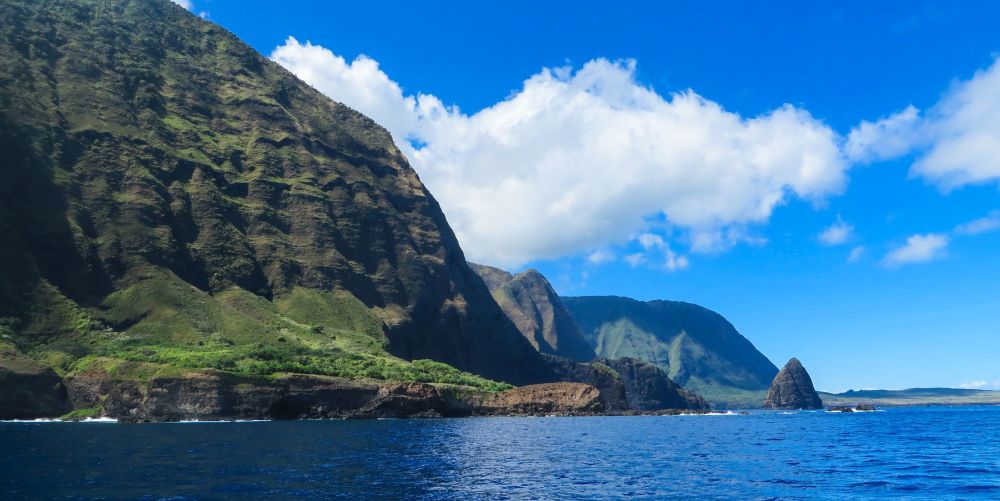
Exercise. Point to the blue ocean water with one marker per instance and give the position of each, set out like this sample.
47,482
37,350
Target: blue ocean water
942,452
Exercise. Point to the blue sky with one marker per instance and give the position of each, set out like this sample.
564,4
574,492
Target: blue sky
717,195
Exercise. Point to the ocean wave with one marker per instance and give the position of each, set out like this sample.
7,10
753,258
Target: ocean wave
57,420
211,421
726,413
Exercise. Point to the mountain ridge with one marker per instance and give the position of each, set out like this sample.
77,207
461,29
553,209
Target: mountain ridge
529,300
172,198
697,347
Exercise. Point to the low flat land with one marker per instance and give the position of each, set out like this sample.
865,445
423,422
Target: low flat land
913,396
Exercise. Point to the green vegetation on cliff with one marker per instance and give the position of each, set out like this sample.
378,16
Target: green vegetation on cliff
172,200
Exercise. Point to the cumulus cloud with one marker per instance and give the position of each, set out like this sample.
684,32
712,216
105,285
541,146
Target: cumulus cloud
887,138
918,249
360,84
979,226
579,159
856,254
957,141
837,233
187,4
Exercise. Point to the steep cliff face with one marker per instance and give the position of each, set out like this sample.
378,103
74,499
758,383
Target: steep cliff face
213,395
29,389
698,348
170,196
792,388
532,304
625,384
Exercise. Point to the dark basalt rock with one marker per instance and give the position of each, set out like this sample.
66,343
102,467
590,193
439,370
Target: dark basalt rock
567,399
606,380
214,395
792,388
648,388
628,385
28,389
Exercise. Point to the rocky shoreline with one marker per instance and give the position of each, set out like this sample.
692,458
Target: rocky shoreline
215,395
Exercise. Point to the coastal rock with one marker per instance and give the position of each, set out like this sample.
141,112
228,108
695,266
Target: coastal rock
792,388
628,384
543,399
600,376
648,388
28,389
214,395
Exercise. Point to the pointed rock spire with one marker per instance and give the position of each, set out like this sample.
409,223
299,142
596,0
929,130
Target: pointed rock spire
792,388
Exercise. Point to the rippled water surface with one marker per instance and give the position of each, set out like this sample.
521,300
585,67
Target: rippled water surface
946,452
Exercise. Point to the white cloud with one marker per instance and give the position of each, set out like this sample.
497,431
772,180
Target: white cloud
979,226
918,249
957,140
674,261
600,257
636,259
887,138
856,254
578,159
837,233
187,4
360,84
651,241
973,385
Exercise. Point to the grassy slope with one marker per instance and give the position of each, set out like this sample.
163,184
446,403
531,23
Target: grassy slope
164,326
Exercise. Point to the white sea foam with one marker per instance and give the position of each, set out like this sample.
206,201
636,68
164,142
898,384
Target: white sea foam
99,420
56,420
209,421
726,413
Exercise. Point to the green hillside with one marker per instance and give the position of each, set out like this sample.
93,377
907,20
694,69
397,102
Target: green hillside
172,200
698,348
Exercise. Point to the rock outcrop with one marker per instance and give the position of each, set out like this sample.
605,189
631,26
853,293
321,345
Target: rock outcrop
529,300
792,388
214,395
565,399
606,380
28,389
648,388
629,385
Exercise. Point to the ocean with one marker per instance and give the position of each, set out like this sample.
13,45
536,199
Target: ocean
927,452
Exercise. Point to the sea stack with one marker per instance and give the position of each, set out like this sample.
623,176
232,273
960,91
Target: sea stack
792,388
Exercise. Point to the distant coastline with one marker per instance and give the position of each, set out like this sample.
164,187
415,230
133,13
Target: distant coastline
913,397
